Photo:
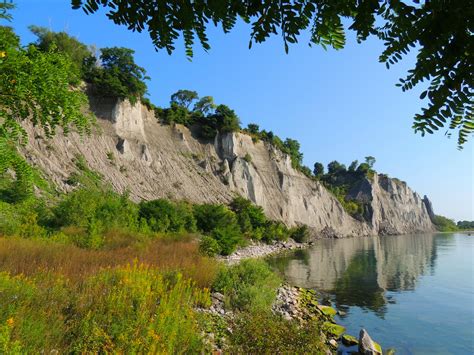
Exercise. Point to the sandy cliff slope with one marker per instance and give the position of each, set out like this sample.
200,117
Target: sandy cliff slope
134,152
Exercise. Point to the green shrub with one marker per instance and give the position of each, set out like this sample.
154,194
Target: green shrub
96,210
267,333
228,238
300,234
248,158
249,285
166,216
210,217
209,246
249,216
23,219
275,231
444,224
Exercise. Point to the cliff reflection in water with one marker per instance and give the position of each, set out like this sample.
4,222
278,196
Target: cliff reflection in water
359,271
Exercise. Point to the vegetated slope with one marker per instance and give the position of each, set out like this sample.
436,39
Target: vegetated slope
133,151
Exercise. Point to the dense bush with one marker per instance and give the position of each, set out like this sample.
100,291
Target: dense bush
249,285
85,207
250,217
300,234
209,246
166,216
466,225
444,224
266,333
223,120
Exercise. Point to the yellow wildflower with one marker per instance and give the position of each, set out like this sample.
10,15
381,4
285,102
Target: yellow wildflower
3,54
10,322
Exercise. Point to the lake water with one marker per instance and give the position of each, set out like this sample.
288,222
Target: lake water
413,293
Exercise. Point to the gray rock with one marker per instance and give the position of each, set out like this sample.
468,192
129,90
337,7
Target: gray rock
218,296
366,345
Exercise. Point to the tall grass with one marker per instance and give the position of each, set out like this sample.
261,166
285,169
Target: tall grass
28,257
130,309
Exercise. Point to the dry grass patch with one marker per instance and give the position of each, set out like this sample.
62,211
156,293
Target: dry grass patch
28,257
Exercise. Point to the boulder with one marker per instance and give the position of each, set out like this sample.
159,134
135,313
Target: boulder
367,346
349,340
334,330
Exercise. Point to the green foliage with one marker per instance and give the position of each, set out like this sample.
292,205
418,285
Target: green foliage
250,217
335,167
210,217
166,216
248,158
19,187
35,86
223,120
118,76
436,30
184,98
205,105
370,161
138,310
253,128
318,170
132,309
275,231
300,234
267,333
94,211
62,43
209,246
25,219
466,225
292,147
220,223
5,7
353,207
176,114
444,224
249,285
228,238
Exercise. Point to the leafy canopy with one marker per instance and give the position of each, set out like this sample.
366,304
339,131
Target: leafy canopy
441,31
117,75
63,43
34,85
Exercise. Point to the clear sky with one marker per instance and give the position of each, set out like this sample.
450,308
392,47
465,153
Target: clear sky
340,105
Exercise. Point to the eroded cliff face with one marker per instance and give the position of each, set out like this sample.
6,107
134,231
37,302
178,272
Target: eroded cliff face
134,152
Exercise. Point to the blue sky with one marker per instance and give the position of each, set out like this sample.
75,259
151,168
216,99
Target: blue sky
340,105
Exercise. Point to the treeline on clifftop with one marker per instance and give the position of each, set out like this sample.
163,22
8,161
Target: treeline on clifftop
110,72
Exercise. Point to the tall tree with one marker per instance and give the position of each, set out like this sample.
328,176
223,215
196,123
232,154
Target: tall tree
370,160
205,105
118,75
184,97
62,42
441,31
318,170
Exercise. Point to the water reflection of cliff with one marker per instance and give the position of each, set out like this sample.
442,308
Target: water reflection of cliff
359,271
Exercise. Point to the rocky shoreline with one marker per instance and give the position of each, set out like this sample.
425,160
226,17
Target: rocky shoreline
260,250
296,303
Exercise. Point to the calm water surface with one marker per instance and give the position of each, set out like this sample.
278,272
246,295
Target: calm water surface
414,293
